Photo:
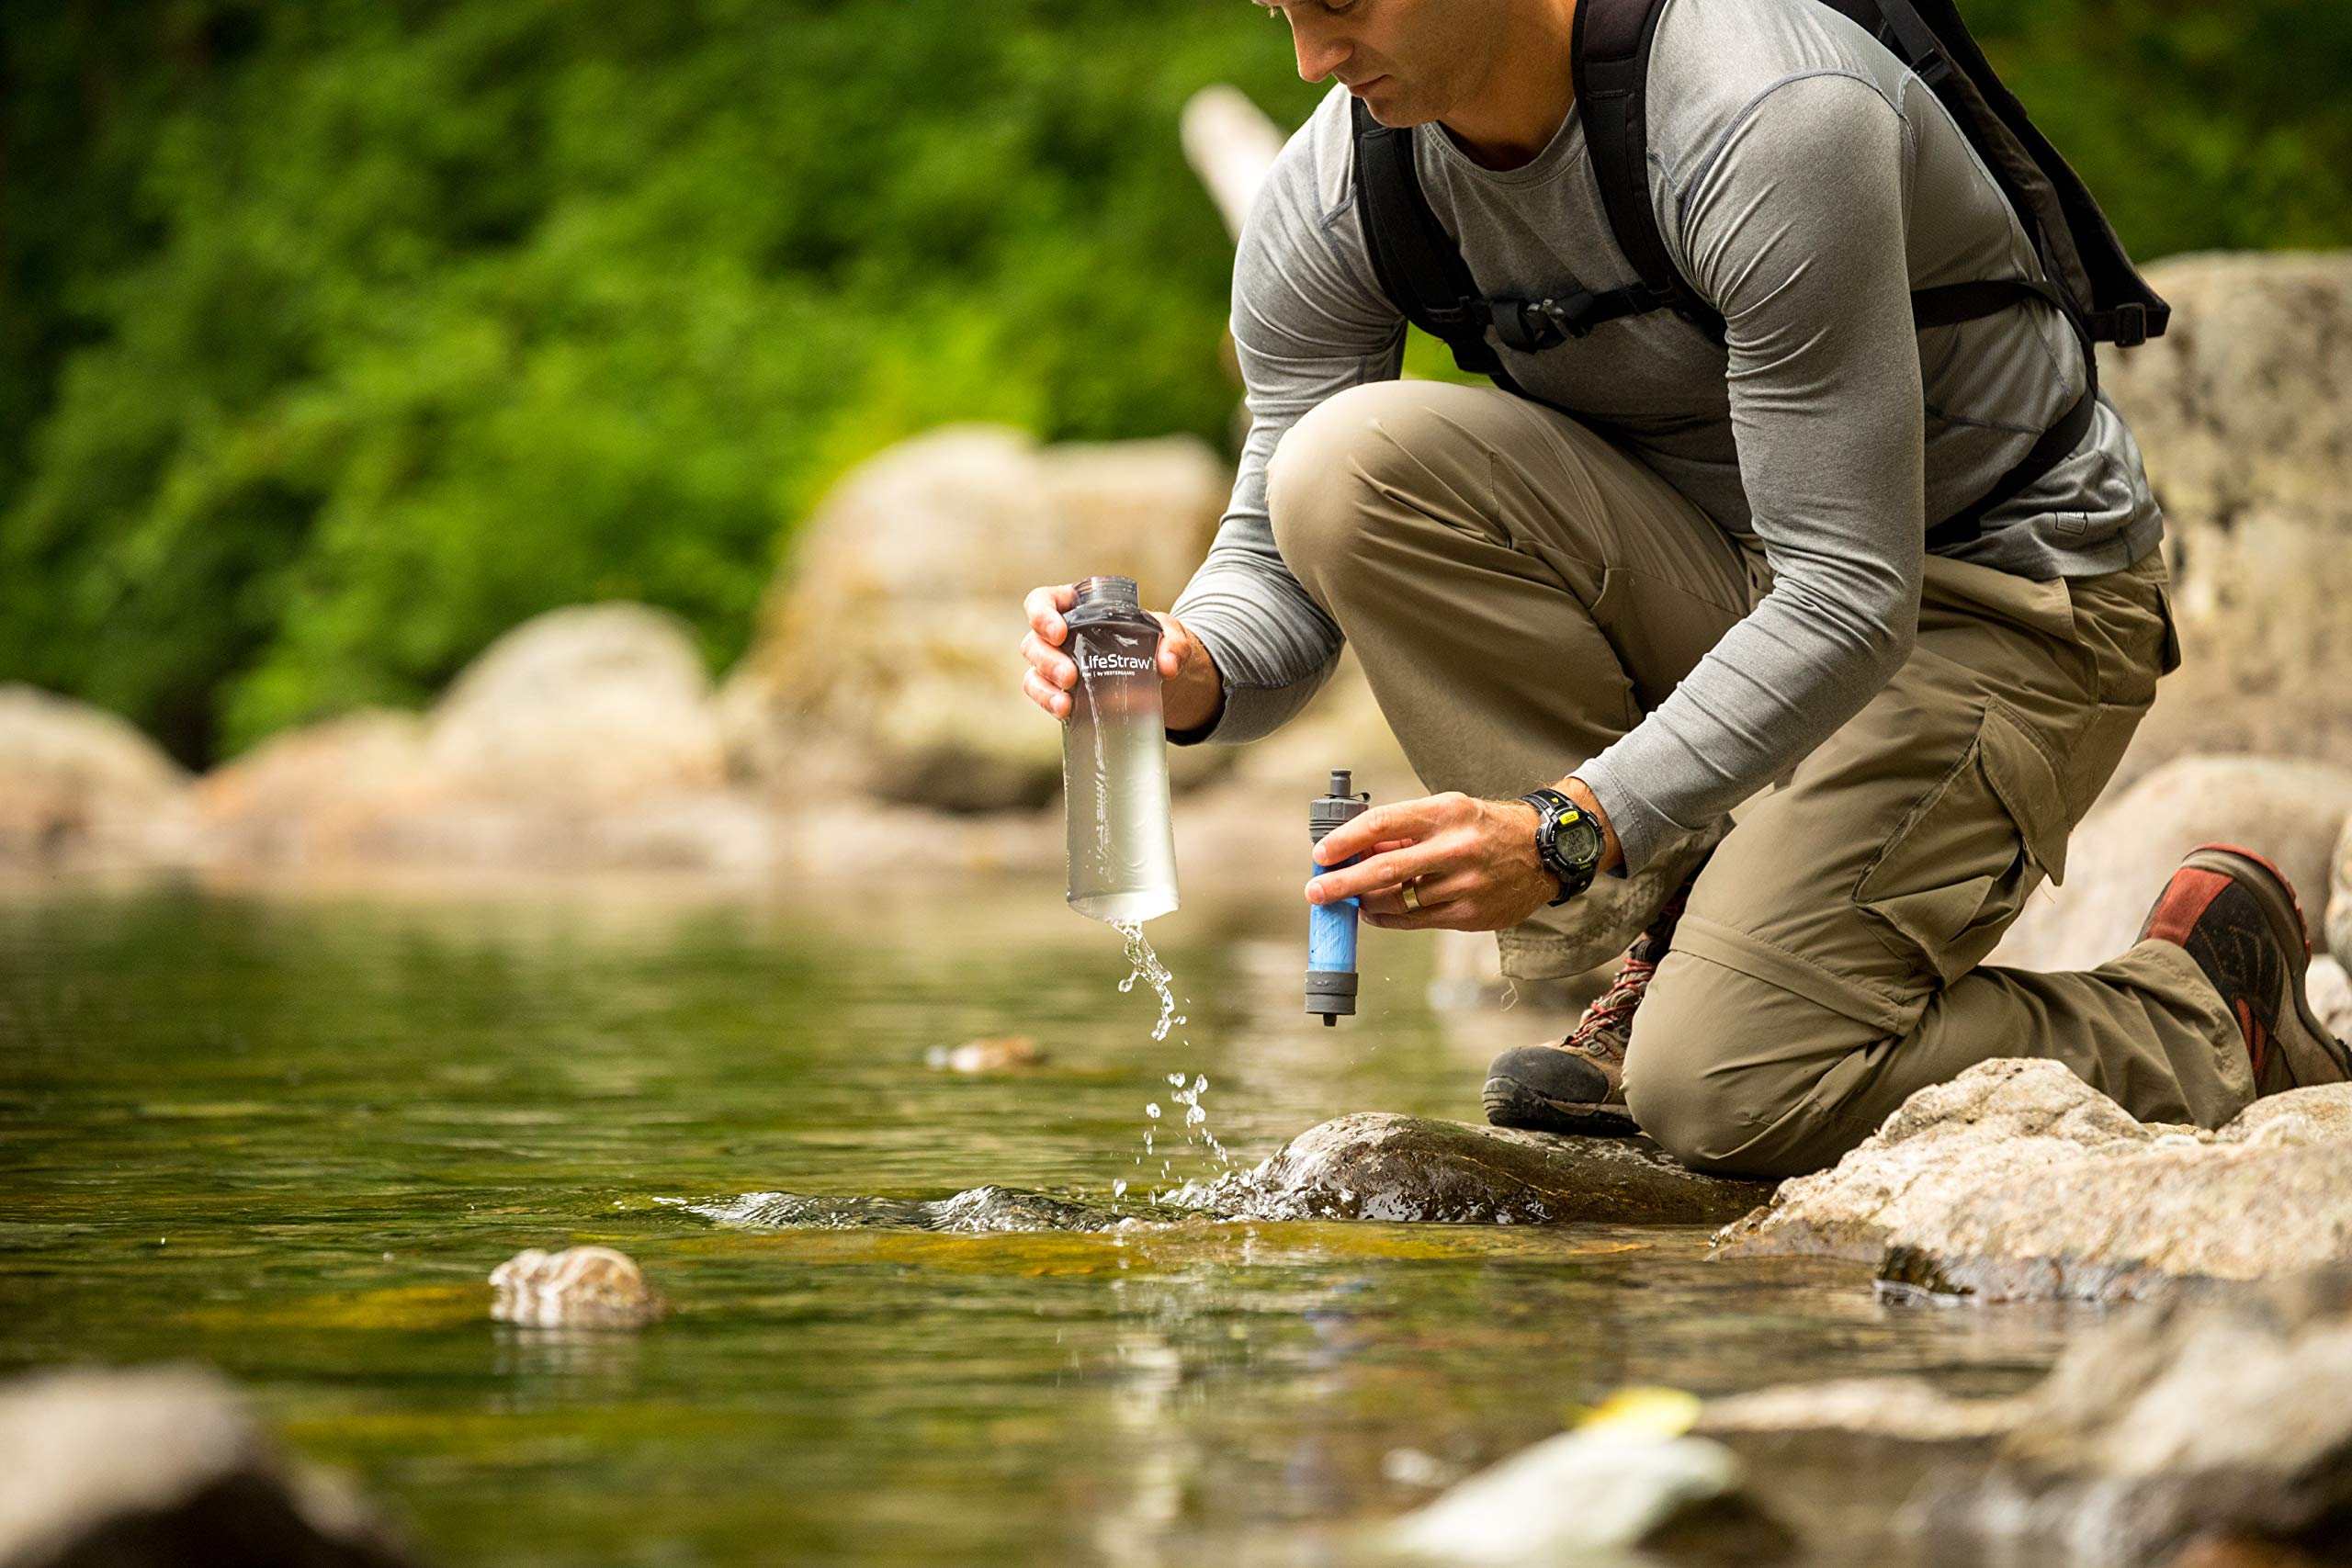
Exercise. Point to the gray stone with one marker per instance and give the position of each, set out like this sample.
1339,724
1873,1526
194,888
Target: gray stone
2018,1179
2008,1120
581,1287
1597,1489
164,1467
2124,851
79,786
1373,1165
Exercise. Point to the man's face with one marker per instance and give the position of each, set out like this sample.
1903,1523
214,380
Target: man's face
1409,60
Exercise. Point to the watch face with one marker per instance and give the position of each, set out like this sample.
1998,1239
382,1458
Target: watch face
1577,839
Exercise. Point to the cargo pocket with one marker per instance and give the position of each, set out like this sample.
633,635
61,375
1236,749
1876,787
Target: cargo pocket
1960,866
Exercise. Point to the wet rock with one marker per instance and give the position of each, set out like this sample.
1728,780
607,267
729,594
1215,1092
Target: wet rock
2240,413
80,787
2019,1181
581,1287
1838,1459
164,1467
1373,1165
2215,1419
979,1211
2223,1415
887,659
2120,858
1596,1490
997,1053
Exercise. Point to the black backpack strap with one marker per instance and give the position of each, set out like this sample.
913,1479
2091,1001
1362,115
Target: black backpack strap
1419,265
1608,54
1950,303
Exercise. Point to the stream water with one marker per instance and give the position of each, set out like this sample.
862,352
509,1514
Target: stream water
290,1136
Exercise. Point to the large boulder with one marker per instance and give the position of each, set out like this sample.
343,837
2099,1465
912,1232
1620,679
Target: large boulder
887,659
1376,1165
80,785
586,735
583,707
164,1467
326,791
2243,415
2215,1418
2017,1181
2121,855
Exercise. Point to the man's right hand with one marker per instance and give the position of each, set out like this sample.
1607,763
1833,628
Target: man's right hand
1191,693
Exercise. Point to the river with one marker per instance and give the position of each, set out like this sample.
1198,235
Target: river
289,1135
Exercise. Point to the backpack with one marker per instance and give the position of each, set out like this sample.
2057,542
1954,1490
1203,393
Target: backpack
2091,281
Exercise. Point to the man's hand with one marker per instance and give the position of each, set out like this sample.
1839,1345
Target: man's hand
1191,693
1473,862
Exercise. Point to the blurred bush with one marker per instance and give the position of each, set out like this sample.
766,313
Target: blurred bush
341,335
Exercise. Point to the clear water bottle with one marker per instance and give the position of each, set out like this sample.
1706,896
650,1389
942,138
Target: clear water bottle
1114,760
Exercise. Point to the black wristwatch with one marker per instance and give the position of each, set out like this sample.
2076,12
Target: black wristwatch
1567,841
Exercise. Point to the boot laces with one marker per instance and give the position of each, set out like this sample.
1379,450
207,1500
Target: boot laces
1608,1022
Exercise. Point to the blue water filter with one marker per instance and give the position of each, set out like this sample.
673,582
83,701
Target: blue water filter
1331,928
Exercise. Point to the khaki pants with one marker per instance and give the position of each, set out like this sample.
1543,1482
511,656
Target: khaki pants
1520,592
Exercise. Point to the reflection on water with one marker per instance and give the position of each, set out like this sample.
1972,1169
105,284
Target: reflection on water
291,1138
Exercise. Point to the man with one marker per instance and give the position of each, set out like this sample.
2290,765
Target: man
1706,582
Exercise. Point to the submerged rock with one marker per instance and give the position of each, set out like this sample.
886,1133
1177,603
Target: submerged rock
2217,1416
164,1467
1373,1165
2018,1179
981,1210
581,1287
995,1053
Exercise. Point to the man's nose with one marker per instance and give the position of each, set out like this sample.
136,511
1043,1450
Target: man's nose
1319,53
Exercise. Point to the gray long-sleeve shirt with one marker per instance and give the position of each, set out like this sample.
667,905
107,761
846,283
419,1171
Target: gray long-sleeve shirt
1805,182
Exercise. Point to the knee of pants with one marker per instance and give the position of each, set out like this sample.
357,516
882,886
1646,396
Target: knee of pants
1349,449
1692,1082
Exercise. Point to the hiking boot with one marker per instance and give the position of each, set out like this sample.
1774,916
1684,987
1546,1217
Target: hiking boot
2236,915
1577,1085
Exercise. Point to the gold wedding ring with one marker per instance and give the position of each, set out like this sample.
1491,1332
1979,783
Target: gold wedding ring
1413,895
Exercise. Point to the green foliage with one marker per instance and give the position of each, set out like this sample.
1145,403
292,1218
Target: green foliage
341,335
